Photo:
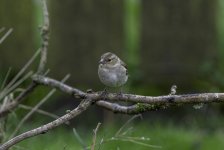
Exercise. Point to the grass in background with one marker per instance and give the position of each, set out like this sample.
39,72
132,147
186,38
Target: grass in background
167,136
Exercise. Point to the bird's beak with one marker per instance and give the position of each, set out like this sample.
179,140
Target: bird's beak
101,61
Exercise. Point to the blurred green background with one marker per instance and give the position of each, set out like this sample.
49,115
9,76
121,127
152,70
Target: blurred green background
163,43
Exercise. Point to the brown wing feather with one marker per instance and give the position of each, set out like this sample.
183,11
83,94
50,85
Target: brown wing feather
125,66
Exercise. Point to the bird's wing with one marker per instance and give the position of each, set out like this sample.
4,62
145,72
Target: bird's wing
125,66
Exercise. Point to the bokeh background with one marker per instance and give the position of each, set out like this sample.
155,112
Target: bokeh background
163,43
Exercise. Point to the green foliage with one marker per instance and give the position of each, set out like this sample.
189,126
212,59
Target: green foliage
143,107
132,35
169,137
220,29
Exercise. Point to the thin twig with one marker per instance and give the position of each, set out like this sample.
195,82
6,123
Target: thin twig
5,35
79,139
6,78
18,75
42,63
94,136
40,111
14,86
137,142
11,106
120,137
126,123
132,109
58,85
136,138
85,104
28,115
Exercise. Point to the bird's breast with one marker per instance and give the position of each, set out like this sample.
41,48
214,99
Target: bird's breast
112,77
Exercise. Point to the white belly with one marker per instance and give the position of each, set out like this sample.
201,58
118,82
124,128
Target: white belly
112,77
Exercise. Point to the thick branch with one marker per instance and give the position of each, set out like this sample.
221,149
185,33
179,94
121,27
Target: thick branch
142,104
153,100
130,109
43,129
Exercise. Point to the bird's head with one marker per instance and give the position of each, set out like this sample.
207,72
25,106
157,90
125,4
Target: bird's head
109,59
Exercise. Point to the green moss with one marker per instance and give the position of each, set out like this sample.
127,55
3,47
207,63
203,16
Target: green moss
143,107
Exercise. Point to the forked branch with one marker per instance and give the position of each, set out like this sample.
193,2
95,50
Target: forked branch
43,129
43,60
110,102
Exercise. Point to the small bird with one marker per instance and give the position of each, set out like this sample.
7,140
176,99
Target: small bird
112,70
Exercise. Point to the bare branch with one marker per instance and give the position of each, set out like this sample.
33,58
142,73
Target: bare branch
15,85
40,111
94,136
35,108
80,140
45,128
142,104
126,123
152,100
121,135
58,85
139,103
19,74
13,104
45,38
6,35
5,79
43,60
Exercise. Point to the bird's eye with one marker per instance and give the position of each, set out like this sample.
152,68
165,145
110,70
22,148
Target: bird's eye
109,59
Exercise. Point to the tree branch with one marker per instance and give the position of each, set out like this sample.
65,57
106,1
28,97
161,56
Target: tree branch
6,34
41,102
94,136
40,111
43,60
152,100
108,101
131,109
84,104
142,104
45,38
